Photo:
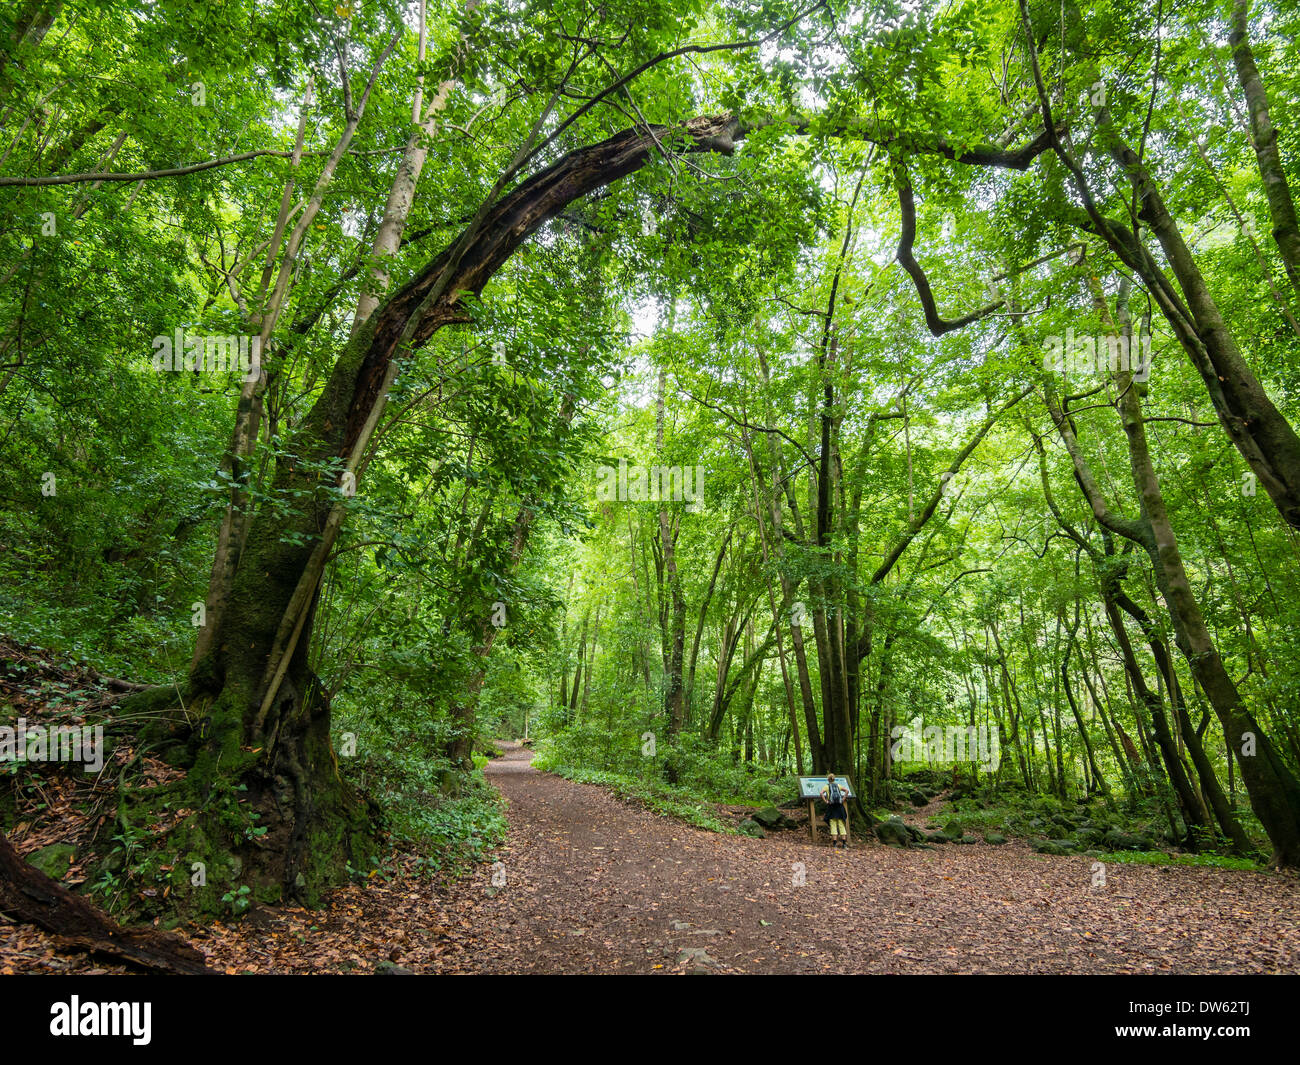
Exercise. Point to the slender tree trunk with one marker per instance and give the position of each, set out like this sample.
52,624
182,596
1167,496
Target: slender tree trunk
1273,787
1263,136
1210,788
1097,776
577,672
674,691
591,658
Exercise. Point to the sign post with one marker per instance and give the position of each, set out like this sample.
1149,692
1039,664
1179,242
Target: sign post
810,788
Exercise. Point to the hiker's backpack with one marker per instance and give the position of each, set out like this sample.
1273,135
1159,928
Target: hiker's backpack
832,792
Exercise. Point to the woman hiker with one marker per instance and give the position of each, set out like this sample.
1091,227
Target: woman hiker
836,816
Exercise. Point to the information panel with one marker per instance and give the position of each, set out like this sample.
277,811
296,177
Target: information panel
811,787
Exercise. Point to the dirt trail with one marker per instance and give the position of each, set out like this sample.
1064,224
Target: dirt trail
596,885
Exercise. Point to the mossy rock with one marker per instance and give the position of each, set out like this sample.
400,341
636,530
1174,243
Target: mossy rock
1117,840
892,834
954,829
1054,846
749,827
771,817
896,834
993,837
55,860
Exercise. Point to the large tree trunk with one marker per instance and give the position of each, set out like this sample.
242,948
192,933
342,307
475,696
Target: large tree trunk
1274,789
1263,436
829,623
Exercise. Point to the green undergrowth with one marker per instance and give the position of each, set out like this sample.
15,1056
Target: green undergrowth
1217,861
660,798
148,642
449,819
449,832
688,767
453,833
1126,832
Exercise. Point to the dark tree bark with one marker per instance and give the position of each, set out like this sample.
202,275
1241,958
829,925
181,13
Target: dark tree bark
1210,787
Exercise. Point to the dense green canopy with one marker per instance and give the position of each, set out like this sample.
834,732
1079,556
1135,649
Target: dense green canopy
709,390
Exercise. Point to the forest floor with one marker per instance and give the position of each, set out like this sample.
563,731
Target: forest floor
589,884
596,885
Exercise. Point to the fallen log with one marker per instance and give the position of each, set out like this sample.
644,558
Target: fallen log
27,894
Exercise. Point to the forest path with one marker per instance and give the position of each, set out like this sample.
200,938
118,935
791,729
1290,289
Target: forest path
593,884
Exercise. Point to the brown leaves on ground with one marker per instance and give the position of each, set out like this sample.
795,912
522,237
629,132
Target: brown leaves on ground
594,885
587,884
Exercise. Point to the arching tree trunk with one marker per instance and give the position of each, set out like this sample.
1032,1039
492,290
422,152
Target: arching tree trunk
253,712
